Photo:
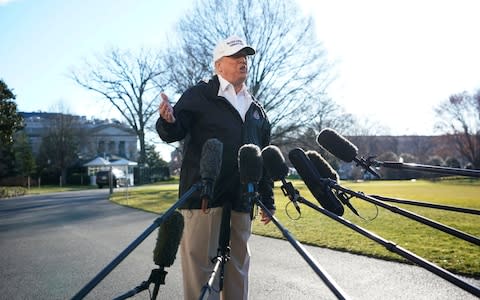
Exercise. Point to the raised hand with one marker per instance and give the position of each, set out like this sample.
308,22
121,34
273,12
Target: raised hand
166,110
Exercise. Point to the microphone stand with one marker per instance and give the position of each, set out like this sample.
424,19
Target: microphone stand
447,229
366,164
331,284
397,249
116,261
157,277
426,168
427,204
223,253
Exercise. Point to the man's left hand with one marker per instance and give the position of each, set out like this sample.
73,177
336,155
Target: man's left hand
265,219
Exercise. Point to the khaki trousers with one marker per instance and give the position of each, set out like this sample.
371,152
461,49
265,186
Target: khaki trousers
199,246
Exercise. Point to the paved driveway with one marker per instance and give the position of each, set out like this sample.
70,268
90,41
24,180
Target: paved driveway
52,245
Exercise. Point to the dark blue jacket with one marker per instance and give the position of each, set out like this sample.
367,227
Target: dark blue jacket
201,115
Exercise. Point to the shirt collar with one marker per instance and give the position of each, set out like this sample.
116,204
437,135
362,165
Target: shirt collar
224,85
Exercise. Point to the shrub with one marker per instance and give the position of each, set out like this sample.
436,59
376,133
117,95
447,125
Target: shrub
12,191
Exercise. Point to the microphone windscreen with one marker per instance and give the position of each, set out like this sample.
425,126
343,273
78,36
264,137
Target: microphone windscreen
337,145
211,159
310,176
274,163
169,235
250,163
323,167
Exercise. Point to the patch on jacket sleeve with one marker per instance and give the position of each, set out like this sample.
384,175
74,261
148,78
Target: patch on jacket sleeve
256,115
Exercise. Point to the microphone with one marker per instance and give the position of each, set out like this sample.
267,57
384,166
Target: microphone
277,169
342,148
319,189
323,167
169,236
326,171
250,164
210,165
275,164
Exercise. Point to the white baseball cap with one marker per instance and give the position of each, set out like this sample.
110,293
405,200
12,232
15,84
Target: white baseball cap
230,46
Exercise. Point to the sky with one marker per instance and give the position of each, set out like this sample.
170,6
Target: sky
394,60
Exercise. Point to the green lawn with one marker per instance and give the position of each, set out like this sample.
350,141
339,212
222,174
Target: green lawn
314,228
56,189
15,191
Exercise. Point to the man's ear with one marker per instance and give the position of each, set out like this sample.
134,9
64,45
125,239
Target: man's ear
218,66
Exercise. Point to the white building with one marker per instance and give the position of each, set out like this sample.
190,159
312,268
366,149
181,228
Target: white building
104,138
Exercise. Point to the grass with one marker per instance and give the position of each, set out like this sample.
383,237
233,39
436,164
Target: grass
313,228
15,191
56,189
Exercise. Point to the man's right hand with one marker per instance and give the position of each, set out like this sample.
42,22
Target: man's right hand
166,109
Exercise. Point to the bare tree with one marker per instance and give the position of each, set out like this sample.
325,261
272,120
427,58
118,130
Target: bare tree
459,118
288,74
325,114
421,147
130,82
60,142
24,159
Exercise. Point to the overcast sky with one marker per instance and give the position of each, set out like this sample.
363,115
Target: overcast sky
396,60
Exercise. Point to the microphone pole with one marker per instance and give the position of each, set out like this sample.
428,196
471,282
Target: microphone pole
450,230
342,148
278,170
427,168
157,276
117,260
331,284
397,249
329,183
223,253
164,253
300,160
428,204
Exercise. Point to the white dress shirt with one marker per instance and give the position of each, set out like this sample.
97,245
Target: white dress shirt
241,100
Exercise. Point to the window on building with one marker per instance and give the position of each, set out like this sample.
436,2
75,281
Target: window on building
101,147
121,149
111,147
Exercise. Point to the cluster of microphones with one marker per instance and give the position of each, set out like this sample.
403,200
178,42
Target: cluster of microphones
323,183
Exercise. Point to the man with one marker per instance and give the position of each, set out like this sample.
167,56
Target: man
221,108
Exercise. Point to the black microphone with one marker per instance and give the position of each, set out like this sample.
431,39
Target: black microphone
277,170
342,148
250,164
323,167
274,162
326,171
318,187
169,236
210,165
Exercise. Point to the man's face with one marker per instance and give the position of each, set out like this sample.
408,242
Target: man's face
233,68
